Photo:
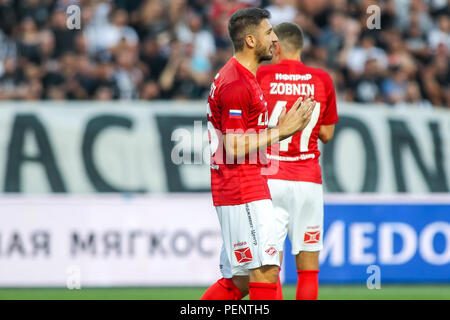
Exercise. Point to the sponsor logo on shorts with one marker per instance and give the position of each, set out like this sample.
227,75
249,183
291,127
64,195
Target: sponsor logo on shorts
240,244
271,251
250,222
312,237
243,255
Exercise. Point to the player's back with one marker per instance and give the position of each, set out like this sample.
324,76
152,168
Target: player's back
282,84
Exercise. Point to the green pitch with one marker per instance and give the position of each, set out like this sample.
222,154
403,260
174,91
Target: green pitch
326,292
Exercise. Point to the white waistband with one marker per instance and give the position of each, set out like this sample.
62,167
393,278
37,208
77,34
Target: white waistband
301,157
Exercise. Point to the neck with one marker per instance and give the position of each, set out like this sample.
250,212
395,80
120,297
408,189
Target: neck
291,56
248,60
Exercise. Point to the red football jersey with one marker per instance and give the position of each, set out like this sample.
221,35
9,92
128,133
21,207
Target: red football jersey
236,105
282,84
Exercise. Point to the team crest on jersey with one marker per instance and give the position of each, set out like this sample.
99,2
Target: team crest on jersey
243,255
271,251
312,237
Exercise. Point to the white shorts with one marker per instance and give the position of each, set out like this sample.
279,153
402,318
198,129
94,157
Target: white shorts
299,209
249,237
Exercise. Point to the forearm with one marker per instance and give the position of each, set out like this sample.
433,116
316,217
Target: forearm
239,145
167,78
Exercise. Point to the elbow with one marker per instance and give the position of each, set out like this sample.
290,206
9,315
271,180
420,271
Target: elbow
326,138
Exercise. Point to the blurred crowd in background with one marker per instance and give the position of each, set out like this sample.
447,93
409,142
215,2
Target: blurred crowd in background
171,49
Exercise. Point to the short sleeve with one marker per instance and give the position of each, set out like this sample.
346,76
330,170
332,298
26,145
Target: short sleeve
330,115
235,102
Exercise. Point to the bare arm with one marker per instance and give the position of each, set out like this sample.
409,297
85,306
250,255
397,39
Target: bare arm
168,75
326,133
239,145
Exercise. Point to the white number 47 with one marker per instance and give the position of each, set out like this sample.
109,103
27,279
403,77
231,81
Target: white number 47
305,134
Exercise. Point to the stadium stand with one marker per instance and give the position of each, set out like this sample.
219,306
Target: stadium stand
156,49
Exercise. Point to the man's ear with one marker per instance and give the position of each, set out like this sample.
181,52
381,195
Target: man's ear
276,53
250,41
278,48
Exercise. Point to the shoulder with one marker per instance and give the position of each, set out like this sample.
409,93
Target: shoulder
230,76
266,68
265,71
233,90
323,75
319,72
229,73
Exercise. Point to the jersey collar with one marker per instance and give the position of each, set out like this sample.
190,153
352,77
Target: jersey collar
289,61
242,68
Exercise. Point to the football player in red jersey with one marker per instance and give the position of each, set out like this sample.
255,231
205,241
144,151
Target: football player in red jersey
296,188
237,124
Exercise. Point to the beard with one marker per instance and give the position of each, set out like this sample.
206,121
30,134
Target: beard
263,53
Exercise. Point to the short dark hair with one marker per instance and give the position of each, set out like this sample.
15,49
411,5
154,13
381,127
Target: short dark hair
289,35
242,22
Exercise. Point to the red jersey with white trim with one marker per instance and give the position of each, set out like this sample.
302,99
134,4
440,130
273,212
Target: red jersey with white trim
236,105
282,84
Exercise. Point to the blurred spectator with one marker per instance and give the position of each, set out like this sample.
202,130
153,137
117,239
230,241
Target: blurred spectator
8,17
38,10
153,58
103,94
152,17
178,80
128,77
367,86
415,41
108,31
441,34
172,49
413,95
12,81
202,40
8,49
436,78
56,93
282,11
33,76
398,55
150,91
64,37
28,41
332,37
358,55
394,88
103,74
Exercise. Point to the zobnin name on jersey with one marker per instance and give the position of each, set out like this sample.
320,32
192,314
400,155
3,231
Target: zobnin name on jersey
304,89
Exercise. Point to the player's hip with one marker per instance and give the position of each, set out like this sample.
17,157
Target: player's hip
307,171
